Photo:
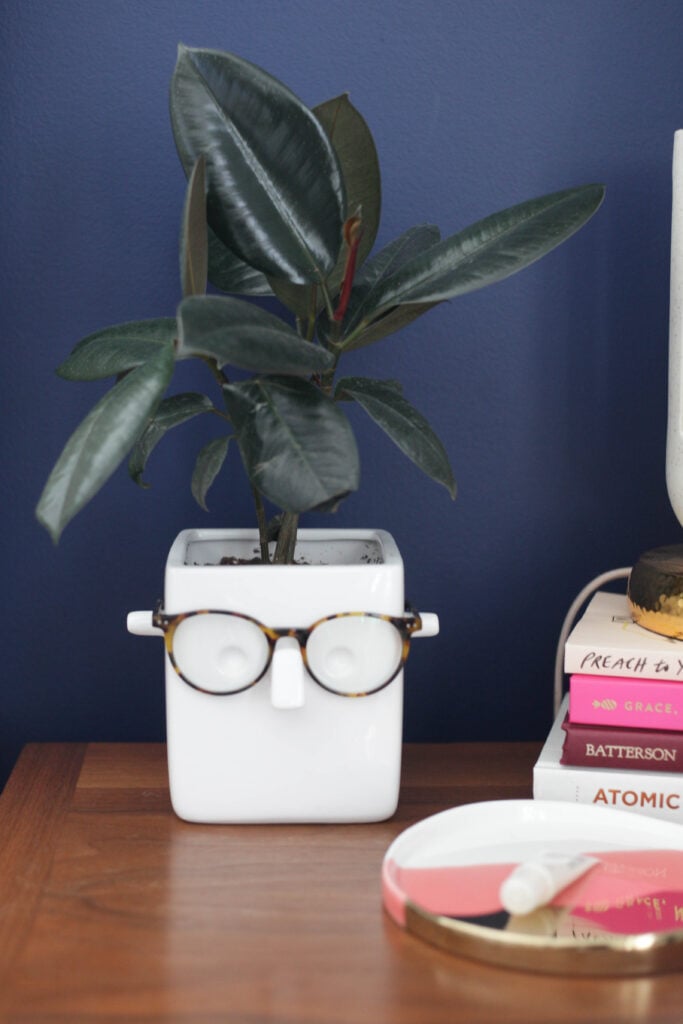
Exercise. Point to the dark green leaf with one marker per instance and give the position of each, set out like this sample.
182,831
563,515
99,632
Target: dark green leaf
275,192
403,423
101,441
117,349
371,281
193,236
171,413
297,446
229,273
388,323
225,269
341,395
207,467
242,334
355,149
488,251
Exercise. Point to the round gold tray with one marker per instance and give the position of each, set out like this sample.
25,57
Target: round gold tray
441,882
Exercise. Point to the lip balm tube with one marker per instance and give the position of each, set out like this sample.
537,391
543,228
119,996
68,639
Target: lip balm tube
533,883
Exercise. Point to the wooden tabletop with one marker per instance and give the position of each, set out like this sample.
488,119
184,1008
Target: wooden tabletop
112,909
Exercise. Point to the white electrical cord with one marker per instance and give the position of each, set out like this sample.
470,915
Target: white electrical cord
605,577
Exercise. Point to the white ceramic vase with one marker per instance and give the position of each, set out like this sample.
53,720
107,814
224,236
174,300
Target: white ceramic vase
285,749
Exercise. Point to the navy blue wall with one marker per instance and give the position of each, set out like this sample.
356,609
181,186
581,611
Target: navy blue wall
548,390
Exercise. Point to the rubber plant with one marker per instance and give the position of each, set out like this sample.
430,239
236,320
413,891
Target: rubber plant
282,200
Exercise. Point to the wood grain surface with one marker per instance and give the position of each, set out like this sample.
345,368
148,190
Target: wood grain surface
114,910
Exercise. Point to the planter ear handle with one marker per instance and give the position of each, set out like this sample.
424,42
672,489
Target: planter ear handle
430,625
140,623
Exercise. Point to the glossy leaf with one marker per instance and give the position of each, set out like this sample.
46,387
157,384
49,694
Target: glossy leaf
171,413
275,193
207,467
229,273
225,270
194,241
297,446
102,440
371,280
388,323
117,349
487,252
239,333
355,147
406,427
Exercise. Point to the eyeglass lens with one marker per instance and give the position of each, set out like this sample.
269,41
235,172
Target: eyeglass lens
223,653
354,654
220,653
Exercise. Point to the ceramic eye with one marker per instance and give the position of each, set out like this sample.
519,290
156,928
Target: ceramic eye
220,652
354,653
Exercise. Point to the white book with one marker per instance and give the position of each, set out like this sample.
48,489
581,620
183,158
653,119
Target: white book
606,641
658,794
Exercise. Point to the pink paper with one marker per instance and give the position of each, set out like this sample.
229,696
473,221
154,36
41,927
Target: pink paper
622,880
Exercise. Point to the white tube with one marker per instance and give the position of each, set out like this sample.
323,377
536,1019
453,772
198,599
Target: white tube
533,883
674,436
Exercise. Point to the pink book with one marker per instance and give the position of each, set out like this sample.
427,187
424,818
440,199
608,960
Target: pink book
622,702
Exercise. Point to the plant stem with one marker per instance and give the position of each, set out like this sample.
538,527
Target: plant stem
262,525
286,542
220,377
312,311
328,301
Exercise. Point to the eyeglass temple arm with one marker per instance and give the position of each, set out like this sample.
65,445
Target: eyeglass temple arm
140,623
430,625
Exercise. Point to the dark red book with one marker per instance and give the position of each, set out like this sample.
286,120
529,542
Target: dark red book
598,746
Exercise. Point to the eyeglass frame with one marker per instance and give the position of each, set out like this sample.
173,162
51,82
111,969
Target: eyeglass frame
407,624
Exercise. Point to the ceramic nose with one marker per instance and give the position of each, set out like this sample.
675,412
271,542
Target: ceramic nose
287,674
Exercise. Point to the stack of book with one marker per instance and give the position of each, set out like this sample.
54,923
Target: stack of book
618,738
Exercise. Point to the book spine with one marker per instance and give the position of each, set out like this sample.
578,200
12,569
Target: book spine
655,795
610,660
630,703
590,746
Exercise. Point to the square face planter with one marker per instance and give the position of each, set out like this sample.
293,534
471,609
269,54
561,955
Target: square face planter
285,749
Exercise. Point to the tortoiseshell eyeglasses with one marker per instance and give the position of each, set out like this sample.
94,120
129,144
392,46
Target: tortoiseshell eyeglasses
352,654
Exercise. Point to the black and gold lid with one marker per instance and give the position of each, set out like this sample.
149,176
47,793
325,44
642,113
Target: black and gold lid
655,591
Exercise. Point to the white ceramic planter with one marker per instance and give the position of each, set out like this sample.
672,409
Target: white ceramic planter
285,749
